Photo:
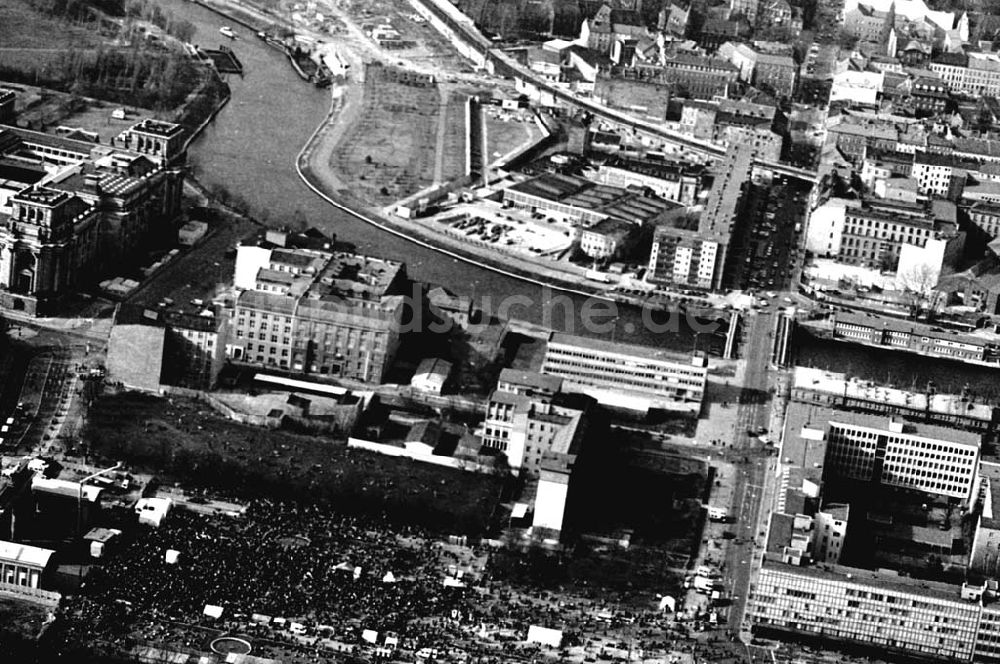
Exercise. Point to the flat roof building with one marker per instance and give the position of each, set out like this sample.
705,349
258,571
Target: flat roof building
880,609
623,375
837,390
582,202
896,452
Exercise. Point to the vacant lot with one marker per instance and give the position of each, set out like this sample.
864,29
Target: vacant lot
184,440
506,131
389,153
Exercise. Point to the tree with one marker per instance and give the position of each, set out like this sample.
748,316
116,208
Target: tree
919,282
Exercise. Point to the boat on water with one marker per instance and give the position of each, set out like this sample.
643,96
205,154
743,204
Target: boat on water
228,32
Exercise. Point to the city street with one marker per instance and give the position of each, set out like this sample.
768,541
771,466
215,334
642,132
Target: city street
754,414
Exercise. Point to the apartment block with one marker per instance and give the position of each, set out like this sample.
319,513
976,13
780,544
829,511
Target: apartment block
885,234
315,310
623,375
972,74
681,256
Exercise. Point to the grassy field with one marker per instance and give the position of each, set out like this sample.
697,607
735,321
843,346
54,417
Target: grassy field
389,153
184,440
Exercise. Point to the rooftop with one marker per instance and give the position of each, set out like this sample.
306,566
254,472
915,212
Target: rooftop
24,554
909,327
636,352
918,429
531,379
158,128
583,194
884,579
839,384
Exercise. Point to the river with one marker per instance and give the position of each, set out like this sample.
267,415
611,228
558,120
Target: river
251,148
903,370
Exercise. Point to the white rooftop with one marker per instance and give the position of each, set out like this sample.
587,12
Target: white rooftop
24,554
72,489
829,382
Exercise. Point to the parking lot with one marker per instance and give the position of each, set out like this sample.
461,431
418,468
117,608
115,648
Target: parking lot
771,243
508,230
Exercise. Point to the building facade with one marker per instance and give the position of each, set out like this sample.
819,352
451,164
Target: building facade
624,375
899,453
884,611
72,210
316,310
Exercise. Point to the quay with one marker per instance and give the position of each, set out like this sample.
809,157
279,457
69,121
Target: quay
224,59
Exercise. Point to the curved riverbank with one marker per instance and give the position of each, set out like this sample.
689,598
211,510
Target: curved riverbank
325,186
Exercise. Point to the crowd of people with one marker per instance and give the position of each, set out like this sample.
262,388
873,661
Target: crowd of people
336,575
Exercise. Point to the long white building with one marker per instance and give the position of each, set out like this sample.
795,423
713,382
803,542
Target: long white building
627,376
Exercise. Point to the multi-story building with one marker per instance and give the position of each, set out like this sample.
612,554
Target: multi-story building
883,165
986,217
69,210
836,390
608,239
901,453
541,431
972,74
742,56
692,76
608,25
868,25
775,73
681,256
880,609
882,233
723,212
934,173
914,337
528,416
745,8
150,348
158,140
673,181
985,558
830,532
308,308
636,377
754,133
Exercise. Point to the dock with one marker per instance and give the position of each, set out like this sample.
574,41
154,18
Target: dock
224,60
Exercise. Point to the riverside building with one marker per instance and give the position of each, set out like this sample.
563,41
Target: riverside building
312,309
634,377
72,210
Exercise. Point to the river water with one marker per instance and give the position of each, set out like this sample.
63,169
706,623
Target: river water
251,148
